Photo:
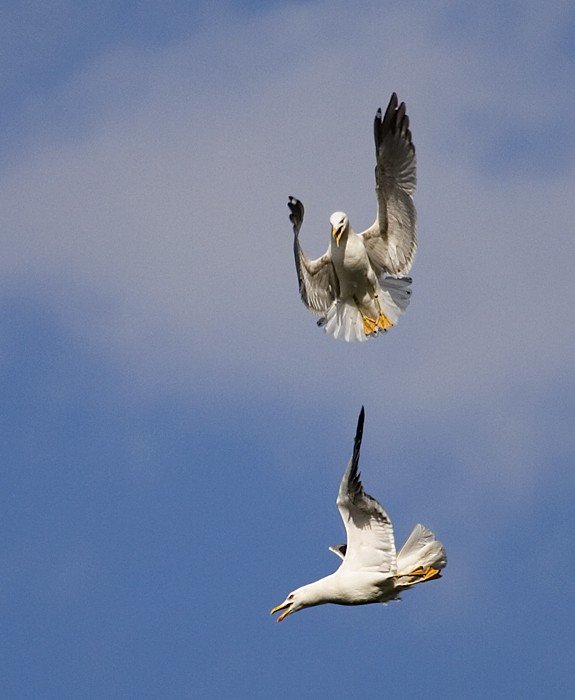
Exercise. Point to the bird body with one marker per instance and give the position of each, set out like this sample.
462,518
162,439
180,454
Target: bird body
371,571
352,267
359,286
359,289
341,588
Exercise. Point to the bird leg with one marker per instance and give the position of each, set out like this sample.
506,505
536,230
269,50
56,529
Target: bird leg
369,324
372,325
382,321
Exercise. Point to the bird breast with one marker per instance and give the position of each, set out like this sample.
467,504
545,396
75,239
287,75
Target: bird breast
350,256
351,264
362,588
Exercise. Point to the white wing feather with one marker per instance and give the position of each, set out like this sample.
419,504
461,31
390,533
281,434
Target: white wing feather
370,541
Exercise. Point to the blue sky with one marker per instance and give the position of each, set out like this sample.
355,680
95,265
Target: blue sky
174,424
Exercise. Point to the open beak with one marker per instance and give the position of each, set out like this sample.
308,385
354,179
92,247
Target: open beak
336,233
282,606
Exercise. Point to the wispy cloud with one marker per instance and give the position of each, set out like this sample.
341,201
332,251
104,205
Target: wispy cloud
160,230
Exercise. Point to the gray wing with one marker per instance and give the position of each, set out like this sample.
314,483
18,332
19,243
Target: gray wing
391,241
370,541
318,286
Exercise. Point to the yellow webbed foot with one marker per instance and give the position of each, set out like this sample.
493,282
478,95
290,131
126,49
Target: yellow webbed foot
383,322
369,325
426,574
372,326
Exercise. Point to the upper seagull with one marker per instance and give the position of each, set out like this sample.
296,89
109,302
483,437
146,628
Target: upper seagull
371,570
358,286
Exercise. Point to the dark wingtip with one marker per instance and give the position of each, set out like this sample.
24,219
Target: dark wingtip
296,213
360,420
358,434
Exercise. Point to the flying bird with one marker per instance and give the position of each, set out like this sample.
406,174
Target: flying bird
371,571
359,286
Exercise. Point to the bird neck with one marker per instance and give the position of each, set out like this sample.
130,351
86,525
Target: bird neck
338,247
324,590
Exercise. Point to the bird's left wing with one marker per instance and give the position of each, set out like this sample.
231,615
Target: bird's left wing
370,542
317,280
391,241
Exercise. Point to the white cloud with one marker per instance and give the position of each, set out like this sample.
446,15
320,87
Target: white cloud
162,233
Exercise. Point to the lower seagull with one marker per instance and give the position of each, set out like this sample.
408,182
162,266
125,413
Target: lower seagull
371,570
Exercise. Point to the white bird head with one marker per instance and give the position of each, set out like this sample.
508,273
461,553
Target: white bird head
339,225
304,597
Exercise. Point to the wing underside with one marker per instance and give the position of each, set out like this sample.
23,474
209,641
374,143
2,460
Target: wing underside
370,541
317,280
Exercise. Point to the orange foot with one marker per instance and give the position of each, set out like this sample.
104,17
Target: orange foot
426,574
383,322
371,326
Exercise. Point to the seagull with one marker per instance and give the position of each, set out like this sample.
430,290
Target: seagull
371,571
359,286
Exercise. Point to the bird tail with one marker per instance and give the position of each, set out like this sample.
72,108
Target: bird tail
343,320
420,559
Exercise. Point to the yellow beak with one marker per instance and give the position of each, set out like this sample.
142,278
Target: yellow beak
336,233
279,607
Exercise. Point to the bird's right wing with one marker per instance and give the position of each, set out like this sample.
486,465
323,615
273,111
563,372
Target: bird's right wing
370,541
317,280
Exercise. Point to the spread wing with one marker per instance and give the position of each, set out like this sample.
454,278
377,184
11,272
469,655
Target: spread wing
391,241
370,542
318,286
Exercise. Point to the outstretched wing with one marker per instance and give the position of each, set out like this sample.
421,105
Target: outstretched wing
391,241
370,542
317,280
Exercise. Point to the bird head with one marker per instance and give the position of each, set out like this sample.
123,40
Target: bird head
296,600
339,225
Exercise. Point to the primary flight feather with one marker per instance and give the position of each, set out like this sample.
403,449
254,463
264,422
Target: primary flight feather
359,286
371,570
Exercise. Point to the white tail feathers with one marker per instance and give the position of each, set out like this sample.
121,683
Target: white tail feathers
343,319
420,551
